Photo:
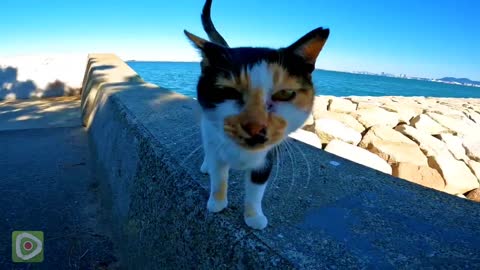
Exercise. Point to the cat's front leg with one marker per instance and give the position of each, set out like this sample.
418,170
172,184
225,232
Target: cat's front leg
204,167
255,184
218,171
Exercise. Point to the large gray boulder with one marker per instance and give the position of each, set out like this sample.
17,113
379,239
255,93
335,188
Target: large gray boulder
458,177
427,124
422,175
341,105
382,133
376,116
358,155
430,145
394,152
330,129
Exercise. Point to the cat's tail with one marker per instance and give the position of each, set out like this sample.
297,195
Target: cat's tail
208,26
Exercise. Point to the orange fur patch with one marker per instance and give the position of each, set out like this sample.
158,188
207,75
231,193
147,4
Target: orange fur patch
249,211
304,99
198,41
241,83
282,80
255,111
222,193
311,49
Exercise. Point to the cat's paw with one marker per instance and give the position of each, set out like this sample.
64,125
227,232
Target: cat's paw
204,167
215,206
258,222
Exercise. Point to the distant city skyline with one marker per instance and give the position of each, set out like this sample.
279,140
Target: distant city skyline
430,39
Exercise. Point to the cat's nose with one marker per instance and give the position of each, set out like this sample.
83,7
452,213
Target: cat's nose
255,129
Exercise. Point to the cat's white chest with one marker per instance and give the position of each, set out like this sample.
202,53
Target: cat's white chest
241,160
228,151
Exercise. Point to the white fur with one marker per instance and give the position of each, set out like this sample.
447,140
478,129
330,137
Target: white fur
253,201
261,78
222,153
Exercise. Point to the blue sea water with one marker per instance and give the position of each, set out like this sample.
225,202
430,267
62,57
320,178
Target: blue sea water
182,77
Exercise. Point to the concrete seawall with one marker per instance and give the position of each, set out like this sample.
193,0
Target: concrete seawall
324,211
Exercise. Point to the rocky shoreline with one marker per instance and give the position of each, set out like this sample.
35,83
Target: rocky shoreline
434,142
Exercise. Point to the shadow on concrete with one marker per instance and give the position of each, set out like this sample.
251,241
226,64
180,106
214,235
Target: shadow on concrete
48,183
11,88
40,113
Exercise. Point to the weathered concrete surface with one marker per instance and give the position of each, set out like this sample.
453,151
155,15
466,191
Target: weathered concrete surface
40,113
322,214
48,183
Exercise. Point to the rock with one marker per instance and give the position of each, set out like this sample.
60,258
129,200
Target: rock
458,127
376,116
405,113
358,99
472,115
446,110
454,145
346,119
368,105
422,175
394,152
458,177
475,168
306,137
358,155
320,103
310,121
341,105
329,129
447,107
382,133
472,146
474,195
429,145
427,124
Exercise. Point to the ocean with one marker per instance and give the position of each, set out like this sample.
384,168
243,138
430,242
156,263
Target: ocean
182,77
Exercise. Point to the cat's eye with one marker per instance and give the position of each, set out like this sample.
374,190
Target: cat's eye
284,95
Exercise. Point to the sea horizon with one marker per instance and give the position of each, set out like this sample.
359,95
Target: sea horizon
182,76
342,71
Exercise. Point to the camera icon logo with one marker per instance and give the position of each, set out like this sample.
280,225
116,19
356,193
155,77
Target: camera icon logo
27,246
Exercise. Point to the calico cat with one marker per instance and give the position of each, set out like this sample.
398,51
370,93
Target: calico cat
251,99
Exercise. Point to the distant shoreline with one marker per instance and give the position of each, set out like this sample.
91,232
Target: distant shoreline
451,80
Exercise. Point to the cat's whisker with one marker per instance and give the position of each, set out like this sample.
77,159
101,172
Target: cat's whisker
191,153
291,167
277,164
183,161
182,137
292,183
306,161
181,143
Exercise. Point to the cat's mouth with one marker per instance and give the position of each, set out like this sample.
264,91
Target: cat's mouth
255,136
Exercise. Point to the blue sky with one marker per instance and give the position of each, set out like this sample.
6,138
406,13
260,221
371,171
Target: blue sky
420,38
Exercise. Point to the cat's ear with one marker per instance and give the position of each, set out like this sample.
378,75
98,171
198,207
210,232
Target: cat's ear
213,53
197,41
310,45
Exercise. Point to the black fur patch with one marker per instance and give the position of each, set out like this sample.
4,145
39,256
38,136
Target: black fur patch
260,176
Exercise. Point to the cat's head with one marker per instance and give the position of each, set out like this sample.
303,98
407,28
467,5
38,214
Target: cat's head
257,96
